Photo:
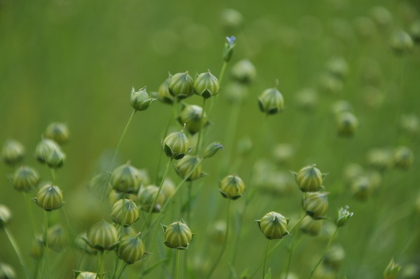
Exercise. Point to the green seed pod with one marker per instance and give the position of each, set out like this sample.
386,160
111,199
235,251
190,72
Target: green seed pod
228,50
341,106
338,67
168,188
49,198
126,179
352,171
375,178
5,215
176,145
191,117
232,187
381,16
102,236
181,85
6,271
115,196
44,148
343,216
381,159
87,275
392,270
177,235
58,132
131,249
347,124
401,43
334,257
244,72
310,226
126,231
186,165
403,157
271,101
55,159
415,31
273,225
310,179
125,212
140,100
315,204
12,152
25,179
330,84
283,153
206,85
212,149
37,248
231,20
307,99
147,195
411,271
235,92
361,188
218,232
374,97
81,244
410,123
163,93
57,238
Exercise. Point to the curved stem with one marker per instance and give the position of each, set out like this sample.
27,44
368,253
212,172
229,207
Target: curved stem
19,255
121,138
176,264
265,257
323,254
222,72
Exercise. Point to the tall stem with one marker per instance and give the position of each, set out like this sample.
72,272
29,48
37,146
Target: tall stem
121,270
100,263
17,251
31,216
265,257
53,174
121,138
323,254
46,219
176,264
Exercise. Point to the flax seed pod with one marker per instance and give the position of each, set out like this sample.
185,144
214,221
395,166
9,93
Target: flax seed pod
5,215
6,271
140,100
403,157
44,148
315,204
310,179
163,93
57,238
193,118
232,187
347,124
126,179
310,226
131,249
176,145
184,167
125,212
181,85
206,85
12,152
244,71
49,198
102,236
271,101
147,195
58,132
25,179
87,275
177,235
273,225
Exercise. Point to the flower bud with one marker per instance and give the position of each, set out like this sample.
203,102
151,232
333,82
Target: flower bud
147,195
125,179
87,275
191,116
163,93
49,198
181,85
401,43
338,67
391,271
57,238
334,257
168,188
232,187
309,179
381,159
206,85
361,188
311,226
55,159
131,249
140,100
102,236
228,50
176,145
58,132
25,179
315,204
273,225
6,271
186,165
125,212
347,124
37,248
212,149
5,215
244,71
343,216
307,99
12,152
271,101
177,235
403,157
44,148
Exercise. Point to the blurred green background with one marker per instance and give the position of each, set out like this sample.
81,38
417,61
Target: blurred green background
76,62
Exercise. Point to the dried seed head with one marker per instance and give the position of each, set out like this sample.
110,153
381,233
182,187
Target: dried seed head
271,101
131,249
163,93
58,132
12,152
232,187
140,100
181,85
206,85
186,165
57,238
310,179
6,271
25,179
102,236
49,198
244,72
315,204
177,235
273,225
176,145
347,124
311,226
44,149
343,216
147,195
5,215
392,270
126,179
193,118
403,157
125,212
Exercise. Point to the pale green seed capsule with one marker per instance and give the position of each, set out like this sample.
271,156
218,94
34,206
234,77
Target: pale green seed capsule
343,216
126,179
381,16
102,236
309,179
235,92
126,231
347,124
410,123
381,159
176,145
6,271
37,248
131,249
177,235
44,148
55,159
193,118
310,226
244,72
392,270
315,204
140,100
5,215
273,225
338,67
49,198
232,187
271,101
334,257
181,85
163,93
307,99
403,157
87,275
362,188
401,43
218,232
168,188
57,238
147,195
206,85
283,153
58,132
12,152
351,172
125,212
184,168
375,179
212,149
25,179
330,84
231,20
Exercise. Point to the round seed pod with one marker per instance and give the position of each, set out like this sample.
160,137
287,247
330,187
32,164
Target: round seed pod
309,179
273,225
271,101
5,215
44,148
341,106
231,20
12,152
403,157
58,132
102,236
415,31
206,85
163,93
362,188
352,171
365,27
315,204
6,271
310,226
126,231
218,232
147,195
125,212
37,247
307,99
25,179
181,85
177,235
126,179
131,249
381,16
87,275
375,178
338,67
401,43
410,123
235,92
244,71
57,238
140,100
49,198
191,116
184,167
347,124
381,159
232,187
283,153
330,84
168,188
176,145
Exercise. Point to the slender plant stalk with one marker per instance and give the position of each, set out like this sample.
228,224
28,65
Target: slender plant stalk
176,264
200,132
53,174
100,262
265,257
323,254
121,270
31,215
79,263
289,260
46,219
121,138
17,251
37,262
189,201
70,232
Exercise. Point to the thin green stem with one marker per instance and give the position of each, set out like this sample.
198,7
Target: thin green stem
37,262
53,174
100,263
70,232
323,254
19,255
46,220
121,270
189,201
265,257
121,138
200,132
31,216
177,264
79,263
289,260
222,72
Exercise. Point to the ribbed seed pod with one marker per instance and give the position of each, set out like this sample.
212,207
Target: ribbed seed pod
403,157
315,204
5,215
206,85
191,116
273,225
44,148
115,196
232,187
55,159
168,188
311,226
177,235
125,179
37,248
12,152
102,236
131,249
362,188
25,179
147,195
176,145
347,124
6,271
57,238
140,100
125,212
186,165
58,132
87,275
163,93
181,85
126,231
49,198
271,101
309,179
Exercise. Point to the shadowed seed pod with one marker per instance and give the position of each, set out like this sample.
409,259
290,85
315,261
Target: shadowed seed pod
102,236
181,85
57,238
206,85
147,195
12,152
6,271
338,67
273,225
310,179
191,117
87,275
307,99
44,148
55,159
381,159
81,244
125,231
232,187
311,226
244,71
168,188
5,215
25,179
125,212
334,257
381,16
140,100
392,270
126,179
163,93
131,249
49,198
271,101
177,235
315,204
218,231
361,188
58,132
403,157
186,165
212,149
343,216
231,20
37,247
347,124
415,31
410,123
176,145
401,43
